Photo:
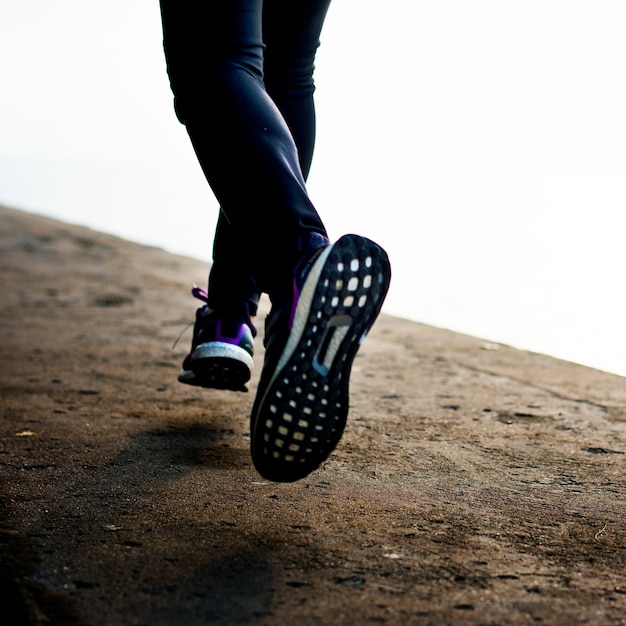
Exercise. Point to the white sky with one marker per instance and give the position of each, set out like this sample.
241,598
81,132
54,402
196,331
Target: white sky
483,143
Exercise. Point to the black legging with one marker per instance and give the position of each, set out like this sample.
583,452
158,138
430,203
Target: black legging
242,75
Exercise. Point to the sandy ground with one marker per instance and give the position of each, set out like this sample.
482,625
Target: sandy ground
475,484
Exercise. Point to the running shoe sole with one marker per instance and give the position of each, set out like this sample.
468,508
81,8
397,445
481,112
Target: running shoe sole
220,365
300,416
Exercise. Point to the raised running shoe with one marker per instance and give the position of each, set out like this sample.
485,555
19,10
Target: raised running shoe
221,351
311,339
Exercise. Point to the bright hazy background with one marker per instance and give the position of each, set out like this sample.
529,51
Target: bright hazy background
482,143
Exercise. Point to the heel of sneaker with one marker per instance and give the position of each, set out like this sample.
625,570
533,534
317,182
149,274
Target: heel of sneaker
220,365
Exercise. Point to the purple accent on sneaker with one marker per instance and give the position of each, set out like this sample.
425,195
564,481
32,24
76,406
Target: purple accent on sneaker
201,294
219,336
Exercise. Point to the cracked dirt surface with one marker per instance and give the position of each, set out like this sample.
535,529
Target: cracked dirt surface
475,484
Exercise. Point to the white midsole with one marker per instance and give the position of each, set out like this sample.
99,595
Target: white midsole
221,349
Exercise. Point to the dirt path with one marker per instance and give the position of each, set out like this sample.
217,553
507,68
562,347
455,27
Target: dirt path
474,485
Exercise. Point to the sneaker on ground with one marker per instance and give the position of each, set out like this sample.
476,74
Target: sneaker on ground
311,339
221,351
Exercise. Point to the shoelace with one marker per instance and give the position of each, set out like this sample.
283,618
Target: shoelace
200,294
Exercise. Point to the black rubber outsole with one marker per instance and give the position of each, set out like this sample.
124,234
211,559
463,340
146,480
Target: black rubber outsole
221,373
